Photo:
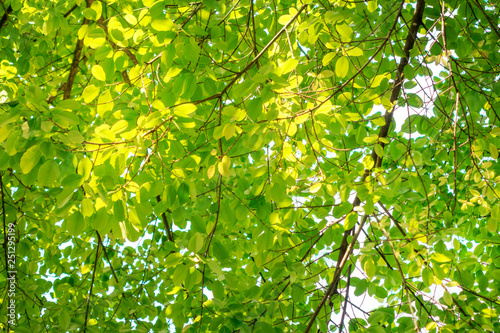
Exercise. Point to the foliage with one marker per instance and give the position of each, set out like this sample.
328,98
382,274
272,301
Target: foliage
237,166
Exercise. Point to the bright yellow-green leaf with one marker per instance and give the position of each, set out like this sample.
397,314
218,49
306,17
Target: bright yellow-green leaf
375,82
350,220
289,65
283,19
185,110
85,167
315,187
354,52
372,5
291,129
342,67
173,71
379,150
90,93
98,72
368,162
369,268
4,133
380,121
87,207
162,24
120,126
328,57
431,326
211,171
105,103
85,269
345,32
30,159
97,7
158,105
224,165
440,257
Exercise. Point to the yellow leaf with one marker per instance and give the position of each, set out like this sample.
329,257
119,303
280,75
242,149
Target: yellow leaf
85,269
430,326
372,6
211,171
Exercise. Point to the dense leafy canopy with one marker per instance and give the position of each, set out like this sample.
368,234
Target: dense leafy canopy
239,166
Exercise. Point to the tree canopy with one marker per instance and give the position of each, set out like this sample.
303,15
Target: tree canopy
250,165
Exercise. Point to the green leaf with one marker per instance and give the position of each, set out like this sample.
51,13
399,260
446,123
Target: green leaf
298,293
76,224
180,275
196,243
119,209
30,159
448,299
48,173
342,209
369,267
100,220
265,147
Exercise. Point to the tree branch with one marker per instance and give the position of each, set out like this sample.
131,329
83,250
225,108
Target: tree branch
5,16
170,235
345,247
76,60
91,287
